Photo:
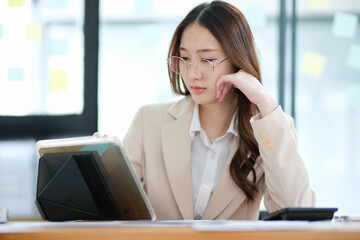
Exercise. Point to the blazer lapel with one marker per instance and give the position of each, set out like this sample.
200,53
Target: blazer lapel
176,142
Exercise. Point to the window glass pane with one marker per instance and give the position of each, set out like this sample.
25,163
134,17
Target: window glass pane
41,60
328,101
18,170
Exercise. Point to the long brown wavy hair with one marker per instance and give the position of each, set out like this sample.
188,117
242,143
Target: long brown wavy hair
231,29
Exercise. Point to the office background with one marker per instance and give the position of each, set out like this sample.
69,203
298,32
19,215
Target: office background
309,51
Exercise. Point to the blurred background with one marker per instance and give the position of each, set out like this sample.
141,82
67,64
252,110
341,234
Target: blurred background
70,68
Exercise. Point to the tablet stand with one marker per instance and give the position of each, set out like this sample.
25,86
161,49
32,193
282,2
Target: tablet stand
70,187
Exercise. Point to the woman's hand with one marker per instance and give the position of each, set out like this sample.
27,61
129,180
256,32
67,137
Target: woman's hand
97,134
250,86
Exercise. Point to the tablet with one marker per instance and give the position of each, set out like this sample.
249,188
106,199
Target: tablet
308,214
88,178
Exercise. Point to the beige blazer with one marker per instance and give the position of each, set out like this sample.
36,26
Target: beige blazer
158,144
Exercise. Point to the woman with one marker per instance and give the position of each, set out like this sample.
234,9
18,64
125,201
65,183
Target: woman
215,153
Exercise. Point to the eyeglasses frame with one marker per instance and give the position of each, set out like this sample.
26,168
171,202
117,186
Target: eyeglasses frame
192,63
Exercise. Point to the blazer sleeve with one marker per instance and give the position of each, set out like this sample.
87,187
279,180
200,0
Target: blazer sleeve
287,182
133,144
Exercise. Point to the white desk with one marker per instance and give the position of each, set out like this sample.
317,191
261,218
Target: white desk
180,230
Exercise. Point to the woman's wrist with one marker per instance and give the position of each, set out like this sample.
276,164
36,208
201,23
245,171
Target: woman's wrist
266,104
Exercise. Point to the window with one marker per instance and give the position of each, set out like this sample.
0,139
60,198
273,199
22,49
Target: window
44,89
48,86
328,102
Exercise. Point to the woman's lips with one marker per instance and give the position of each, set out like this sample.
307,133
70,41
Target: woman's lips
198,89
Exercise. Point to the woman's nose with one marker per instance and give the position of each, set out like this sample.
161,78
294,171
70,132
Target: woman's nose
193,71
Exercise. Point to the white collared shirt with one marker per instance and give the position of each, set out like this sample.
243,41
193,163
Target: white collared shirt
207,161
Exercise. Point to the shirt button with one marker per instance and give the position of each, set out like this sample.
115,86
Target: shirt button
206,186
213,156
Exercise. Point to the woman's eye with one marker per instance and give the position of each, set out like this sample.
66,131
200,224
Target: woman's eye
208,60
186,59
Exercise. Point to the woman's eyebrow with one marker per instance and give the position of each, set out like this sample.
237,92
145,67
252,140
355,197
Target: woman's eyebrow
201,50
208,50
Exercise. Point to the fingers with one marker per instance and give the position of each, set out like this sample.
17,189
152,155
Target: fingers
223,87
99,135
218,91
226,89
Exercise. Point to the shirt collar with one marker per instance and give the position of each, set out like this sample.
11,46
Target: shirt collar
195,122
195,125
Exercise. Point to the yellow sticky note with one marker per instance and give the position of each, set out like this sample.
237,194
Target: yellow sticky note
34,32
16,3
58,81
313,64
319,3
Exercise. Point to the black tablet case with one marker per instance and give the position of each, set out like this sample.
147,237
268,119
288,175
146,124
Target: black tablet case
75,186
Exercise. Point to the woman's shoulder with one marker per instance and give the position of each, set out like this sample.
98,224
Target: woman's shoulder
157,107
168,108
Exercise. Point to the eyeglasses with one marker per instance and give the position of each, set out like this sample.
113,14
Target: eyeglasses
181,65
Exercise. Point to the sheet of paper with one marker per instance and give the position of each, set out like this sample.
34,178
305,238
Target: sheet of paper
345,25
233,226
313,64
33,226
202,225
58,80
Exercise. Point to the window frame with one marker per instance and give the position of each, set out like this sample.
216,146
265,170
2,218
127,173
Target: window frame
42,126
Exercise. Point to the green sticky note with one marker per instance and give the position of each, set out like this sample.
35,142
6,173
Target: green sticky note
143,6
345,25
16,3
57,4
353,59
353,95
59,46
100,148
16,74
